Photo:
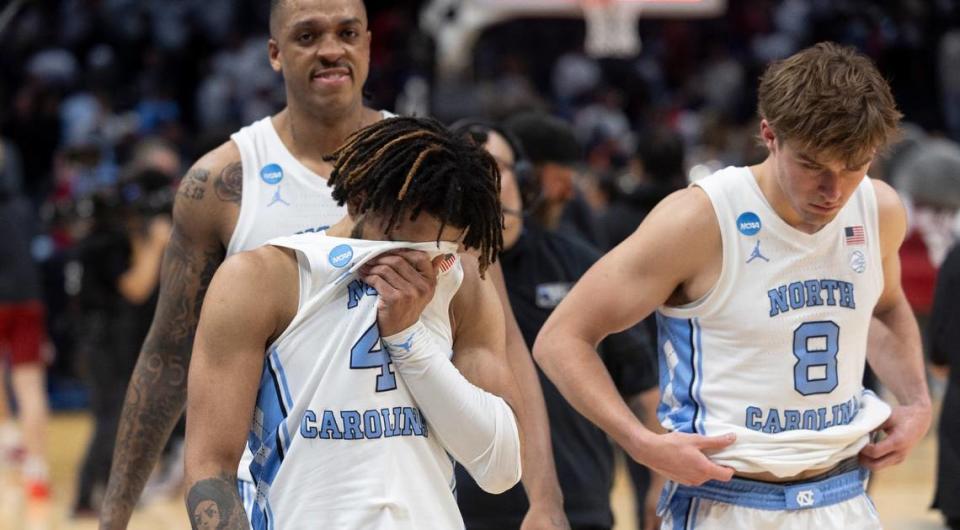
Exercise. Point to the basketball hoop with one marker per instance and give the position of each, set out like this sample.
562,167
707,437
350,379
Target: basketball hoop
611,28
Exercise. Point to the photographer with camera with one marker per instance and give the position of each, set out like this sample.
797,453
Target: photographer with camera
120,259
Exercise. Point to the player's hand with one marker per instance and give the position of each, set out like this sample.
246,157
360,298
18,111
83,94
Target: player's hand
405,281
905,427
682,457
541,517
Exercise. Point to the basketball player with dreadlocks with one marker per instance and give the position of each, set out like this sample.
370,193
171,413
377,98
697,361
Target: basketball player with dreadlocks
267,182
330,353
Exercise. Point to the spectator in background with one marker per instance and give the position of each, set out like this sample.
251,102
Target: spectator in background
928,176
943,343
33,125
949,58
656,170
552,149
22,329
158,155
935,187
121,266
540,264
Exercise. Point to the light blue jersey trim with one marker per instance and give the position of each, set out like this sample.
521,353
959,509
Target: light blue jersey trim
281,377
269,438
278,367
680,405
680,512
692,514
270,519
248,494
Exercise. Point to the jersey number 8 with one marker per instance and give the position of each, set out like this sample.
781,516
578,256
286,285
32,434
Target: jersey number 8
815,345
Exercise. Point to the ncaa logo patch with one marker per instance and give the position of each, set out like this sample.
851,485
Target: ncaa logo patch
271,174
858,261
340,256
748,223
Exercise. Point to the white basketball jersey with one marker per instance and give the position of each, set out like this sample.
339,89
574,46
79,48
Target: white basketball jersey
775,352
281,196
338,440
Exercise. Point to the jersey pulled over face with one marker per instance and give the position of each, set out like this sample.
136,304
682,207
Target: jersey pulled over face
337,439
775,352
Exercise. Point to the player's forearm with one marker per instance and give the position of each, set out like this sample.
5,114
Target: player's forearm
156,394
213,500
644,406
573,365
539,471
895,355
154,402
478,428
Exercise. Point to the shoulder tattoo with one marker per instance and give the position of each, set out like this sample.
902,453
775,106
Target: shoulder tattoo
194,183
229,183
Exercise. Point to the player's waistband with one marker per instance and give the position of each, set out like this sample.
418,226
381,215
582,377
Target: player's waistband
835,487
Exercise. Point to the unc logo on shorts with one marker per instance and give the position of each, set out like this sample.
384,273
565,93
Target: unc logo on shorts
748,223
806,498
271,174
858,262
340,256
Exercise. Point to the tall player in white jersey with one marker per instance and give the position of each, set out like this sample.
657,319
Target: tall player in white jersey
766,280
267,182
288,355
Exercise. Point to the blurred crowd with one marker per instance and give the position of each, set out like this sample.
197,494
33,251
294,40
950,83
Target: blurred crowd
104,103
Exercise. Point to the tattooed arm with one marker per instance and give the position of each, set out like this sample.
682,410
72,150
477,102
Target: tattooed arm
252,298
157,390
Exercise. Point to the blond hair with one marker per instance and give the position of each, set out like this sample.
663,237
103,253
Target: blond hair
829,100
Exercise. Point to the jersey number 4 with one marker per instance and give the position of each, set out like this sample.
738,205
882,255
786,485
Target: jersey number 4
815,345
367,353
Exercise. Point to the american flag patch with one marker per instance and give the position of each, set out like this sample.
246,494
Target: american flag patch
447,262
854,235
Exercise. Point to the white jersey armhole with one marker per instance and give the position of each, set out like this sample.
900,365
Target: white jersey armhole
702,305
305,284
243,142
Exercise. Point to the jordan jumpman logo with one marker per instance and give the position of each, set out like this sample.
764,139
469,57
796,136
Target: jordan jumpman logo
277,198
756,253
404,345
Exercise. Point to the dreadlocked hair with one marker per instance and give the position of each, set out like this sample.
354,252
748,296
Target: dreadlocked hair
407,166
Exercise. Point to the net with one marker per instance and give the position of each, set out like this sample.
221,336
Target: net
611,28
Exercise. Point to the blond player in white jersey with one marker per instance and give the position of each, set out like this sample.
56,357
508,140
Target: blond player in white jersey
766,280
267,182
329,353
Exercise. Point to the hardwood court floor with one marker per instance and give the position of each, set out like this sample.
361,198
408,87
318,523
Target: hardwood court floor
902,494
